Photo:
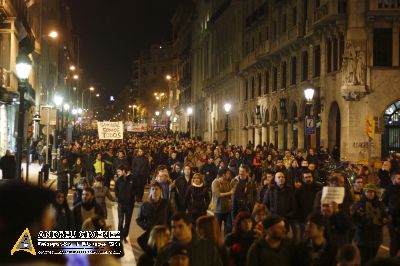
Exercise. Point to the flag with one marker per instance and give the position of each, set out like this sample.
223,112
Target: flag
370,126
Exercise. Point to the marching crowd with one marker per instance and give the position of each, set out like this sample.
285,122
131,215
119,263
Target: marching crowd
218,204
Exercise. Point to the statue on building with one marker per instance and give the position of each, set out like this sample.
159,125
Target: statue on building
349,64
353,72
360,67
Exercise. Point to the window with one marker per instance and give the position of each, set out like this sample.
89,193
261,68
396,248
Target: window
246,92
329,56
293,70
284,20
335,54
266,82
275,86
317,61
294,16
259,85
274,30
284,75
252,88
383,47
304,64
259,38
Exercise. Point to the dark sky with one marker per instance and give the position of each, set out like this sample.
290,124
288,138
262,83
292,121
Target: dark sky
113,32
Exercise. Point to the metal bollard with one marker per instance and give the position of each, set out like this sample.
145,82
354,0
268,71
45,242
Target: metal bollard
40,179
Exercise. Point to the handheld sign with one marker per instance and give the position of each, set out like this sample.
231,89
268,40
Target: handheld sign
335,194
110,130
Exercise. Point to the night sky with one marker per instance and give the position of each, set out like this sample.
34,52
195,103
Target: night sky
112,34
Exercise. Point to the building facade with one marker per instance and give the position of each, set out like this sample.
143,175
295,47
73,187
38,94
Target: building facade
262,55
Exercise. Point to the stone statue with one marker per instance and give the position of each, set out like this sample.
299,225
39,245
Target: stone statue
349,65
360,67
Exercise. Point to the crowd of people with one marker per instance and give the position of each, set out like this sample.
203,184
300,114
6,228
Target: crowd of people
217,204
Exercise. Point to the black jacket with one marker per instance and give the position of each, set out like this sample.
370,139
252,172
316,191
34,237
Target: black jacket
197,200
260,254
125,190
78,216
384,178
305,197
391,200
209,171
8,165
281,201
316,256
151,214
293,174
178,193
140,167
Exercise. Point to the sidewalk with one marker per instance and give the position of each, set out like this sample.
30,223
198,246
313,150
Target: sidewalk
33,178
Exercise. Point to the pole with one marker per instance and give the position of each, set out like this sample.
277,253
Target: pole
27,160
83,91
21,118
226,128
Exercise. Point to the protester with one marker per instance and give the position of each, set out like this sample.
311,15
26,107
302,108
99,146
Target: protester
101,192
245,192
154,211
141,172
369,217
125,192
62,176
86,209
239,241
221,200
63,217
207,227
200,251
273,248
158,238
179,188
8,165
197,198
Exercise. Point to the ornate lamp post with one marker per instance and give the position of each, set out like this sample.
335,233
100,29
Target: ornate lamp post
23,69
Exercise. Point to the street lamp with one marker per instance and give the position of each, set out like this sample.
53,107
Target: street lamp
309,121
227,108
157,113
168,77
23,68
76,77
53,34
72,67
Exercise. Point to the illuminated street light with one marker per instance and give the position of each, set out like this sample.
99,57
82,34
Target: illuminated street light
168,77
227,107
309,94
72,68
91,88
66,107
53,34
58,100
74,111
189,111
168,113
76,76
157,113
80,111
97,95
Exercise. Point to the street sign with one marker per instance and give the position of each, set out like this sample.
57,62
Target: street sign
310,125
48,116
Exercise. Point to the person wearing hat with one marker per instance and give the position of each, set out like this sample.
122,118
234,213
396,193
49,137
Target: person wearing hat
221,203
317,249
273,248
369,217
178,256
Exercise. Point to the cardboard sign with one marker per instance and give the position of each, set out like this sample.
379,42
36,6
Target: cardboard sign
335,194
110,130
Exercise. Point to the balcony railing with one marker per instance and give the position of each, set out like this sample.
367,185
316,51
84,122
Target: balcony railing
384,5
329,10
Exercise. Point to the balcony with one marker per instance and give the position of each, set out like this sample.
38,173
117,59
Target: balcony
384,5
248,61
262,50
328,11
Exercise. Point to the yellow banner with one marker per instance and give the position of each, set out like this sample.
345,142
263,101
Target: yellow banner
370,126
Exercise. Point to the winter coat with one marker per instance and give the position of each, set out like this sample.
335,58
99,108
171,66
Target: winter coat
153,213
8,166
293,174
120,161
201,252
248,196
391,200
177,193
307,255
140,167
281,201
63,219
260,253
125,188
368,218
238,245
305,197
197,200
384,178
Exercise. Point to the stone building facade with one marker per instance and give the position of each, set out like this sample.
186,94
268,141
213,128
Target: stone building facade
261,55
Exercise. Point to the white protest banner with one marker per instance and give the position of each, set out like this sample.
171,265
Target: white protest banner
335,194
110,130
136,128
